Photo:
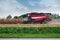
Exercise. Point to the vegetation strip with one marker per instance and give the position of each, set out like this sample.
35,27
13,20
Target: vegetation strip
29,35
29,32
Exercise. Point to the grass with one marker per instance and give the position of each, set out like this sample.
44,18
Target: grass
29,35
30,32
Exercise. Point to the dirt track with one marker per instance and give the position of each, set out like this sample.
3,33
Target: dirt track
29,25
55,21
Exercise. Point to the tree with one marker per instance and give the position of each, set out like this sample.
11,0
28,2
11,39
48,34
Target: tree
15,17
55,16
9,17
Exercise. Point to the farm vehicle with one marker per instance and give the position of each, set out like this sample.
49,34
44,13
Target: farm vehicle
41,18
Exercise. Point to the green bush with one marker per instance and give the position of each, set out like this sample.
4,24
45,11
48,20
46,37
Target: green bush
30,30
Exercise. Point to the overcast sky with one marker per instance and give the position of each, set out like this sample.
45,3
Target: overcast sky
19,7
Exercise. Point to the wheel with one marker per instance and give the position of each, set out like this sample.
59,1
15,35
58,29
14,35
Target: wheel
31,21
25,22
44,22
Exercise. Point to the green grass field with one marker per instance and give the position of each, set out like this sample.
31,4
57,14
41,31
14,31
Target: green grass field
29,32
29,35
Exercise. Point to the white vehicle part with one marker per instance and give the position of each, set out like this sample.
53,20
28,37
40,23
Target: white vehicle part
38,17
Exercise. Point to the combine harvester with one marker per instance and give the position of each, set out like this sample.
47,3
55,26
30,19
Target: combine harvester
33,17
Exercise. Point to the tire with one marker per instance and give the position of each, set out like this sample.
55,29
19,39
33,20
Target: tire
25,22
44,22
31,21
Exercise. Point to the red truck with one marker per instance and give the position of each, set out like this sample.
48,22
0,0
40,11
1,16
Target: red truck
37,18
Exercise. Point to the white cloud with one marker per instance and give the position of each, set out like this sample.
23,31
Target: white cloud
47,6
11,7
51,6
15,8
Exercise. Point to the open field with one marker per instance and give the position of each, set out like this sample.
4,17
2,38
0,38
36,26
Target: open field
29,25
49,30
31,32
29,35
53,23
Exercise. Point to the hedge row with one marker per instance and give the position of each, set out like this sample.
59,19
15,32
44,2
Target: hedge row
30,30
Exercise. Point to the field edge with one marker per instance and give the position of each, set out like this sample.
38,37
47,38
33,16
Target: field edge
17,35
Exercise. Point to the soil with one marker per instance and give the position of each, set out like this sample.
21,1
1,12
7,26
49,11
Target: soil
55,21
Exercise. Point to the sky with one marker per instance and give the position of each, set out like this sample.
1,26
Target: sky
20,7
